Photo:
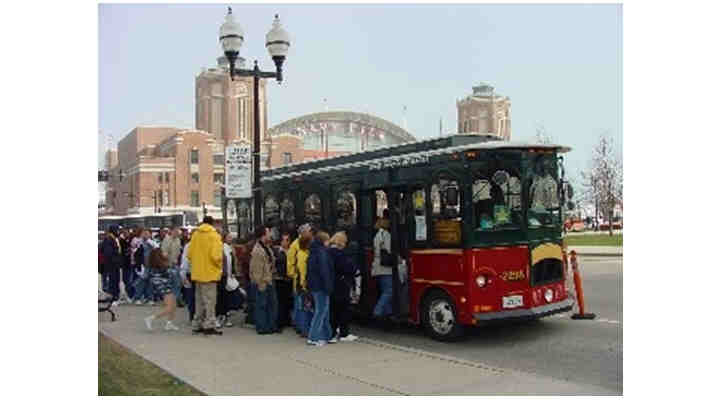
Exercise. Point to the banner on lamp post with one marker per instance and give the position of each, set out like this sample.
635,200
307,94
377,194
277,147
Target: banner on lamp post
237,178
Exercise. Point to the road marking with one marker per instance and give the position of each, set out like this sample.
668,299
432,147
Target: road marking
604,320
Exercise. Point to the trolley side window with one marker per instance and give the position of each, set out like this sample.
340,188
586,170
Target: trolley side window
496,197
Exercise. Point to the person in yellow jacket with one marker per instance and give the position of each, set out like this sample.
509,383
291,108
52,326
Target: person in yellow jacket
297,271
205,258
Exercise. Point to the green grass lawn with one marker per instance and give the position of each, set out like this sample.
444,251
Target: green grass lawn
595,240
123,373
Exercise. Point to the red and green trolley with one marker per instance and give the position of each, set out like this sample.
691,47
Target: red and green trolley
476,220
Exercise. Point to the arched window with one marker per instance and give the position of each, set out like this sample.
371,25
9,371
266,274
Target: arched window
346,209
287,210
313,208
271,210
243,219
381,203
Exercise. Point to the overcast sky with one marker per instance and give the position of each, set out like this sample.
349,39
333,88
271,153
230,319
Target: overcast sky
561,65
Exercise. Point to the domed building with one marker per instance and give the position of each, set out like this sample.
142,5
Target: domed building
328,134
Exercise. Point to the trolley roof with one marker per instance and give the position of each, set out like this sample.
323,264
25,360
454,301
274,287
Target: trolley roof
391,154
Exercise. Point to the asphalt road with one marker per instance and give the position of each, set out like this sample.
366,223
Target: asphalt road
580,351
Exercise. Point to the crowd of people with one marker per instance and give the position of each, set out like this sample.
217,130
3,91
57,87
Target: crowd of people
304,279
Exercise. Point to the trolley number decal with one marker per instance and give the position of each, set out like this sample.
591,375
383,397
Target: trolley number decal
517,275
512,301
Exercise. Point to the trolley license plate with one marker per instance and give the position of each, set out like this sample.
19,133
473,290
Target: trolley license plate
512,301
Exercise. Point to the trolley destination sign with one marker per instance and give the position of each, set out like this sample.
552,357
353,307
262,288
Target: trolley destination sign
402,161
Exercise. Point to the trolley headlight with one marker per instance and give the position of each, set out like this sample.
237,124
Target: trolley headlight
481,281
548,295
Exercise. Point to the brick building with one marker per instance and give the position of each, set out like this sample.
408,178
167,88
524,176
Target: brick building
167,169
485,112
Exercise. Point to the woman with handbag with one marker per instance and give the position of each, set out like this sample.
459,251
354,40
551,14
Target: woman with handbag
226,286
382,267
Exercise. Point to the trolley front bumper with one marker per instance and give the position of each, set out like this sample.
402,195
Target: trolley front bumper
524,314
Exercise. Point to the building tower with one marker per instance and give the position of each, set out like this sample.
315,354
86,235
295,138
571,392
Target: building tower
485,113
224,107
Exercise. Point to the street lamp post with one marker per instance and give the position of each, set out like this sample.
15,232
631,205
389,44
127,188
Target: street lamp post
231,36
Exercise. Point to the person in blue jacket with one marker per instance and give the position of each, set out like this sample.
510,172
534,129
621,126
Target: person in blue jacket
320,283
344,283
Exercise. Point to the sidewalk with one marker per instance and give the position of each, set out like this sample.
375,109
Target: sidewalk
240,362
598,251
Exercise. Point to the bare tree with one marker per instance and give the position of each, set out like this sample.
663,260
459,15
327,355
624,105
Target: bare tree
603,181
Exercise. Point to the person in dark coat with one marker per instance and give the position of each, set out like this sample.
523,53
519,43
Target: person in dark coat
344,282
112,254
283,284
320,282
126,268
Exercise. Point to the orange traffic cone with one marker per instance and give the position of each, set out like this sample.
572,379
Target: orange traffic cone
579,290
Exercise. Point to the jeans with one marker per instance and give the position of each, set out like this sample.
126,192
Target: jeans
176,281
128,276
302,318
112,282
384,305
251,304
189,298
320,329
105,281
143,290
266,310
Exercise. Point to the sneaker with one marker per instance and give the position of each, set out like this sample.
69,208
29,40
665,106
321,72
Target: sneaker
115,303
311,342
138,303
229,323
151,303
218,325
148,321
333,340
170,326
320,343
349,338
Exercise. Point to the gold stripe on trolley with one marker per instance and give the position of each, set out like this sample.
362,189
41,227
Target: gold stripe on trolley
438,251
448,283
